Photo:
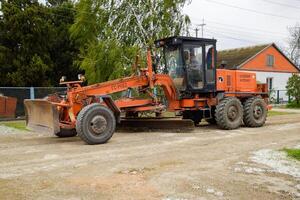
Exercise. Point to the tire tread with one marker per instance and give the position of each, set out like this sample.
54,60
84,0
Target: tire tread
248,118
220,113
79,123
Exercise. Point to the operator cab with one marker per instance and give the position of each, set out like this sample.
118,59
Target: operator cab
190,62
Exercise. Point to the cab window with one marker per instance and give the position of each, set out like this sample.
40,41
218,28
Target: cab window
193,63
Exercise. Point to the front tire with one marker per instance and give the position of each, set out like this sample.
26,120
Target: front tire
229,113
255,112
95,124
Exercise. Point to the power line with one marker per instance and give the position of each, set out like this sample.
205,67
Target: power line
244,32
224,35
238,31
234,33
261,33
250,10
282,4
247,28
232,38
227,36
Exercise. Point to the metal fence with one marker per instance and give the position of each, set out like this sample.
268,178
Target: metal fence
279,97
21,93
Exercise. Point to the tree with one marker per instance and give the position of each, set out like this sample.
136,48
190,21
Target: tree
63,51
293,87
35,45
294,44
117,30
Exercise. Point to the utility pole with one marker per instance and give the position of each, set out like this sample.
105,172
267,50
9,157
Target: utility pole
196,29
202,28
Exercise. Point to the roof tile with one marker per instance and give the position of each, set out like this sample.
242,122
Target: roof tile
235,57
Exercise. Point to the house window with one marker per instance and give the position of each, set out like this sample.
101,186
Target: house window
270,60
270,83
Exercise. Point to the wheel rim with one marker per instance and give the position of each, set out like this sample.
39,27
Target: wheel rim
98,125
257,112
232,113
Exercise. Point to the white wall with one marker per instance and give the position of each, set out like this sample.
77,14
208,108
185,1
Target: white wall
279,82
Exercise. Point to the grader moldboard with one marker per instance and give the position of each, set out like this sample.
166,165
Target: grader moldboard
191,84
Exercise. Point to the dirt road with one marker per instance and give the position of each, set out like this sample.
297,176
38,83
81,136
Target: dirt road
207,163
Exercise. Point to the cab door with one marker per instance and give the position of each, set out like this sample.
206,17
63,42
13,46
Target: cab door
193,60
210,68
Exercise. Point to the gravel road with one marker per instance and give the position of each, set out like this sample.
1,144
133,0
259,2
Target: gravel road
206,163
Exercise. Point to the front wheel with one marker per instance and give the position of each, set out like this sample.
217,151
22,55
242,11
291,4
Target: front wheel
229,113
95,124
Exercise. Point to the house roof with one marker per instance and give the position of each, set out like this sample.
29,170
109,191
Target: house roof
236,58
233,58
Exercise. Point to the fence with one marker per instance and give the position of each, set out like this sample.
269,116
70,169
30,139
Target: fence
279,97
21,93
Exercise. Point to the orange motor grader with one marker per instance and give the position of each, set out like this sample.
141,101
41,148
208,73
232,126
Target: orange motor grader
191,83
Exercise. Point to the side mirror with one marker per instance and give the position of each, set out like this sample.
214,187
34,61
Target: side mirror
81,77
63,79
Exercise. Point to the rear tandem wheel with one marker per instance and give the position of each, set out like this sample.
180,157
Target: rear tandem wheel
255,112
229,113
95,124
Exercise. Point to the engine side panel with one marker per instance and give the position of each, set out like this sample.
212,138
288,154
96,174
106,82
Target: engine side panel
236,81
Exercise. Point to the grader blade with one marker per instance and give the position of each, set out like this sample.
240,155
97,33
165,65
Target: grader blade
169,124
41,116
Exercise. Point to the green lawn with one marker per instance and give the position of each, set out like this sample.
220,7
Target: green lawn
293,153
275,113
15,124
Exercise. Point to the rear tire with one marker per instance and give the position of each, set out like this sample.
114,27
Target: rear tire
66,133
255,112
95,124
229,113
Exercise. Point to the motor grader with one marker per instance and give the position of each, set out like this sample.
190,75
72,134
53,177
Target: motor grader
192,85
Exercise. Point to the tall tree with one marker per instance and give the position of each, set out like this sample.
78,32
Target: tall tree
35,45
111,32
294,44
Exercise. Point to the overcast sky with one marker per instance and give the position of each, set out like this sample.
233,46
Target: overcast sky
237,23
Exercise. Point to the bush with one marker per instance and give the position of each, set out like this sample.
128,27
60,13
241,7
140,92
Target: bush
293,88
293,104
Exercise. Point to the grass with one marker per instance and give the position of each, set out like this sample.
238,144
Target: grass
276,113
293,105
293,153
16,124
